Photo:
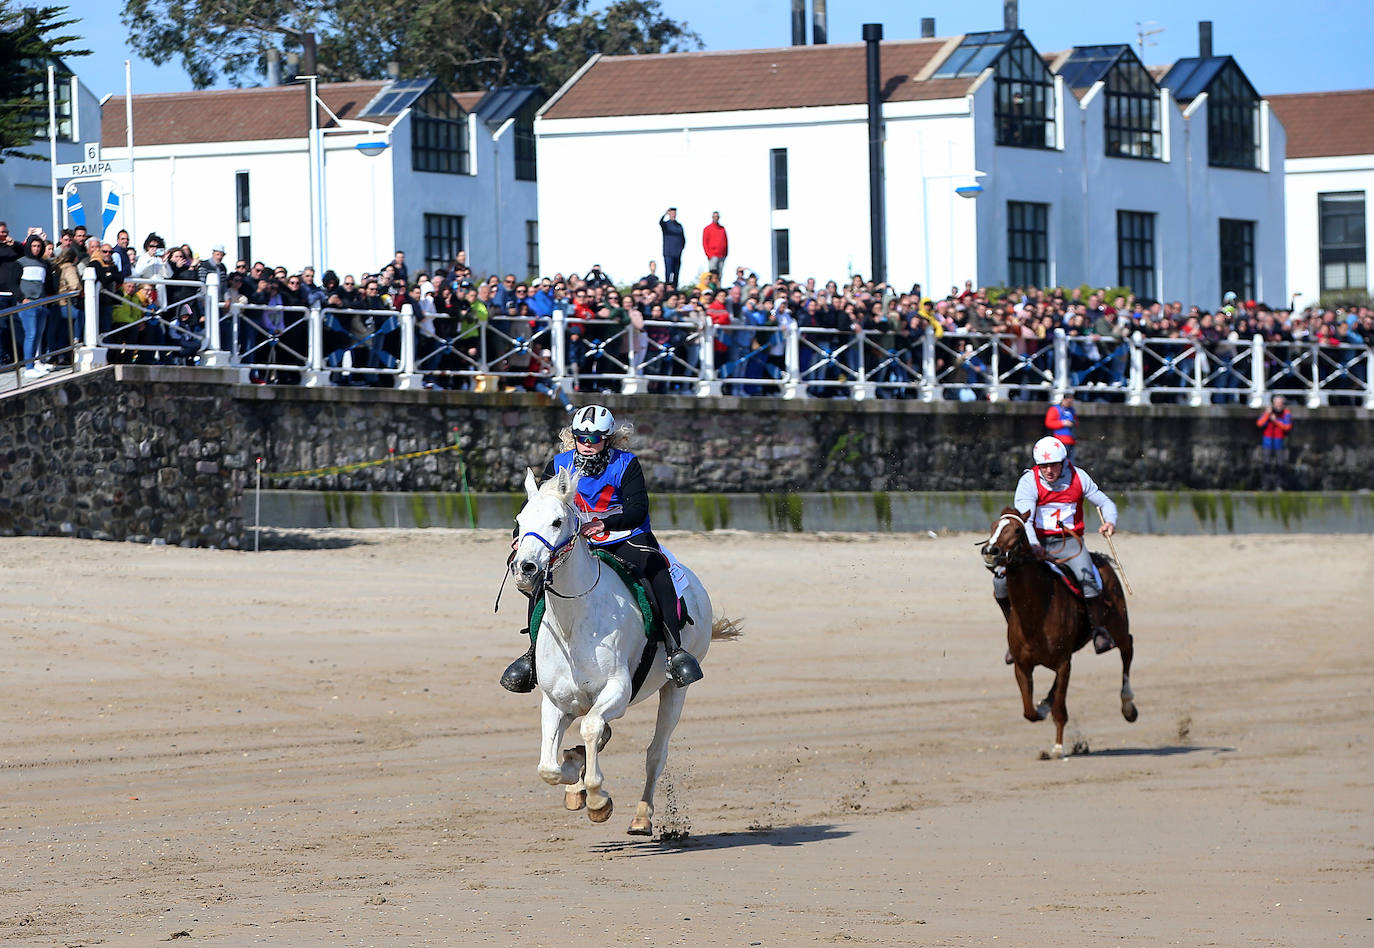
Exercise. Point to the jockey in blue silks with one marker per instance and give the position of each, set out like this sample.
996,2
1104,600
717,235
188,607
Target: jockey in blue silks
615,506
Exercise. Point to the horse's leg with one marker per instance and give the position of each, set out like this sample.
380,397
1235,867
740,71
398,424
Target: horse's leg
1048,701
610,704
1126,646
553,767
670,701
1024,682
1060,708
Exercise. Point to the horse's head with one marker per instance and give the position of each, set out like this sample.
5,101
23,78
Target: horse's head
546,527
1007,542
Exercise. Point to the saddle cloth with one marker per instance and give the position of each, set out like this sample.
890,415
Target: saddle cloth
1069,580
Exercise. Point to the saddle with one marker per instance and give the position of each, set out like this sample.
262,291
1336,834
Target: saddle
1067,578
649,610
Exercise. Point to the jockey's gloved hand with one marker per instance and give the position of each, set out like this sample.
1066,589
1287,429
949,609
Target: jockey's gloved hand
1038,552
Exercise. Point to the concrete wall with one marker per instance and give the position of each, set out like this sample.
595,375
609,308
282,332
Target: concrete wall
131,451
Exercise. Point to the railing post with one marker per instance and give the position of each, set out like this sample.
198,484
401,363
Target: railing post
213,354
929,386
1369,377
408,379
1195,396
314,375
791,339
558,333
1257,371
863,387
996,391
1135,385
630,382
707,383
90,355
1061,365
1315,395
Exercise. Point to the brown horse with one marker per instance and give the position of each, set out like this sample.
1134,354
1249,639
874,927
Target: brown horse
1049,622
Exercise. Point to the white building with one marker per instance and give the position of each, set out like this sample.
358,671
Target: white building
26,194
233,168
1091,168
1329,175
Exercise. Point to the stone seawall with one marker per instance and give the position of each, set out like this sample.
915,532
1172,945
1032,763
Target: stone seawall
164,453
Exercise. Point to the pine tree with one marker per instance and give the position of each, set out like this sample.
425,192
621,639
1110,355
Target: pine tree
29,39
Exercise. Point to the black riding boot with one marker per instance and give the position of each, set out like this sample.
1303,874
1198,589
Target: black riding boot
519,677
1097,618
683,668
1006,614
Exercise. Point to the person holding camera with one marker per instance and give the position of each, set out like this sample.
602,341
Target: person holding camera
1274,424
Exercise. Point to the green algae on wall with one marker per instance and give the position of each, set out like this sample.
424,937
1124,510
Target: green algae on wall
882,510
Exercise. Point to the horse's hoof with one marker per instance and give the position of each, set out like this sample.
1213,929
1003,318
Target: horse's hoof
641,826
1057,752
603,814
574,799
1129,712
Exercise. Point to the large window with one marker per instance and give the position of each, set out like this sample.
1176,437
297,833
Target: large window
1237,254
532,249
1028,244
1233,121
443,240
525,168
1135,252
1024,104
439,134
1341,241
1132,112
777,164
243,216
782,253
64,97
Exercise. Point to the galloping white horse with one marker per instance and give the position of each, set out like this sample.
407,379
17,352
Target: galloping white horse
589,646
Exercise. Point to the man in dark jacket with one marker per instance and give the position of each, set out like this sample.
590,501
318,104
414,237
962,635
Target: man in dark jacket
674,242
10,252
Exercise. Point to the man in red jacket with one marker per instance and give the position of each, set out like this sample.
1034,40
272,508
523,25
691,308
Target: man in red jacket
715,244
1060,421
1274,426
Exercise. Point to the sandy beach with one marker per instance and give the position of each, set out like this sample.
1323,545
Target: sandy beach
307,746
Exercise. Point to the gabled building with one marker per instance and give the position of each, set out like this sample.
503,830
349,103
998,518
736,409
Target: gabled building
1002,165
232,167
1329,175
26,195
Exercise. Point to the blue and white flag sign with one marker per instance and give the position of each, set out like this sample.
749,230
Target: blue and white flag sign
110,213
76,214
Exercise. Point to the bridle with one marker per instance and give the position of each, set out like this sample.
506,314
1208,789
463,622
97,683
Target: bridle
1003,558
558,555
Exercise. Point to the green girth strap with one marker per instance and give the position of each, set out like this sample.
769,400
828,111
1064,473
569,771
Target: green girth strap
634,585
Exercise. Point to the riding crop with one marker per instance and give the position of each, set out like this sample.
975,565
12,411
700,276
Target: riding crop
1112,547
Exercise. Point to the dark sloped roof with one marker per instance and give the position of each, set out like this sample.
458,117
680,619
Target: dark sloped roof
1189,78
1323,124
1087,64
743,80
500,104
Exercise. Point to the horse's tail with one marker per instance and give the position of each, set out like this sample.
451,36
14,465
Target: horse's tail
726,628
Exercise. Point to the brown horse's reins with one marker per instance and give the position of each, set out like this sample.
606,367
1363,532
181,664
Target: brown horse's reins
1050,559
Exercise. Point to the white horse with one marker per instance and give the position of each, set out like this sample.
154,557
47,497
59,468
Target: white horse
588,647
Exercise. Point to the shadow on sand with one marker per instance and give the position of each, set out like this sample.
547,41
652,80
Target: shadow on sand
770,836
1168,751
279,538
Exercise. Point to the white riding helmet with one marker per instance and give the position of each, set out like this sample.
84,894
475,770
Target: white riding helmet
593,419
1049,450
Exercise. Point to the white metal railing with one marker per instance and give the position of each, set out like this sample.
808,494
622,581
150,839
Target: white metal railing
559,355
25,333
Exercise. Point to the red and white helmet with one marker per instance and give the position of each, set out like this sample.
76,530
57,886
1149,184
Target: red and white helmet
1049,450
593,419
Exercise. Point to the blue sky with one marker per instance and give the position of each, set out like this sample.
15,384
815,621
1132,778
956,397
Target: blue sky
1311,46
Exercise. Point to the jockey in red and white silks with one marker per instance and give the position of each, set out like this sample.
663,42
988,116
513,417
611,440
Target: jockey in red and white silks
1050,497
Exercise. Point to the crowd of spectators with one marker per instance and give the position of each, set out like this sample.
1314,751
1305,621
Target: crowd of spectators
469,325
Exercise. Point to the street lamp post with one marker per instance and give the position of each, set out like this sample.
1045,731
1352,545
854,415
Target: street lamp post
319,231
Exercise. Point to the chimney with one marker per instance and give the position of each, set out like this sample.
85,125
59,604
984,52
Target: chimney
293,69
273,66
818,22
393,70
1204,38
927,27
1009,16
798,22
873,34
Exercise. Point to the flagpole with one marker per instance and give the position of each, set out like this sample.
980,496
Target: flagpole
55,200
129,139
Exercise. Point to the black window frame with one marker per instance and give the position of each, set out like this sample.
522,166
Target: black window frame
439,134
1131,115
777,172
1024,108
532,249
1028,244
526,163
243,214
782,252
1233,121
1135,252
1236,256
1342,238
441,242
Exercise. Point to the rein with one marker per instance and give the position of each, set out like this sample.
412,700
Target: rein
1057,561
558,554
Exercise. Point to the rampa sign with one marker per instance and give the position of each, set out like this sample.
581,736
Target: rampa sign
92,165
